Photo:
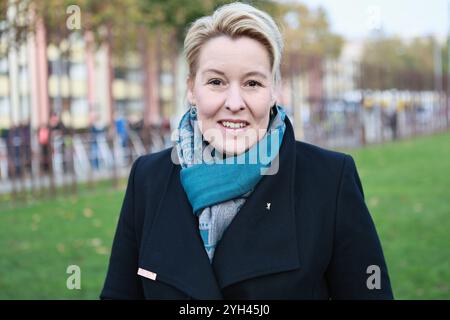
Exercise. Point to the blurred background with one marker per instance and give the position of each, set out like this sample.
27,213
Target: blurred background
88,86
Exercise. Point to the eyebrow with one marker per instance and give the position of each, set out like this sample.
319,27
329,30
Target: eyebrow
251,73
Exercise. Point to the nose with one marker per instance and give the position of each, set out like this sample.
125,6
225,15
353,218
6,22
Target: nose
234,101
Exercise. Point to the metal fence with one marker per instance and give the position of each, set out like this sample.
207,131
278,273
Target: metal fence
28,165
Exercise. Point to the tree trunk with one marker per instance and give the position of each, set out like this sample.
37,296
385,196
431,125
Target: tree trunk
151,57
111,104
44,103
90,66
70,130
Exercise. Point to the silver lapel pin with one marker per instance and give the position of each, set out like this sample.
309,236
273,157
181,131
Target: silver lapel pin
268,206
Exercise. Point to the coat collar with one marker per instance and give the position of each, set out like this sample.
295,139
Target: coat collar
258,241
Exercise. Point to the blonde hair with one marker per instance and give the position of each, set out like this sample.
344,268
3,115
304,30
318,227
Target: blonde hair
235,20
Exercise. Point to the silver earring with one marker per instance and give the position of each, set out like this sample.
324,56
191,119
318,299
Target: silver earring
193,112
271,111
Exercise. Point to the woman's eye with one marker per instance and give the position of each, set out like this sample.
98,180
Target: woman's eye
253,83
215,82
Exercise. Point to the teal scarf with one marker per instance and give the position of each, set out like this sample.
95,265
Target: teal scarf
212,180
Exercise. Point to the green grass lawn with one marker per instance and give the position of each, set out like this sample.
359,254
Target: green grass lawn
407,189
40,240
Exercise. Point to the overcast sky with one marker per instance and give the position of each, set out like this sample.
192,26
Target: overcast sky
407,18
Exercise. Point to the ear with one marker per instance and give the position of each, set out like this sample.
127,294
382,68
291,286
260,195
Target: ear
275,98
277,93
190,90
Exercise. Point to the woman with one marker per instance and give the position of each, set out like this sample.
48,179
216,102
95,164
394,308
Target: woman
238,209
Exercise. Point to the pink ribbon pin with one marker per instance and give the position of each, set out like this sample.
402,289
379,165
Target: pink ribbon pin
146,274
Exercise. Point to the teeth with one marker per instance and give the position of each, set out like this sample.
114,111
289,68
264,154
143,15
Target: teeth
233,125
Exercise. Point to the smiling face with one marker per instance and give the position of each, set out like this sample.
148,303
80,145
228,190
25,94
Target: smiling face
233,90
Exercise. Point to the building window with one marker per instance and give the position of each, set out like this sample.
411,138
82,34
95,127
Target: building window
3,66
78,71
4,107
135,75
79,106
120,73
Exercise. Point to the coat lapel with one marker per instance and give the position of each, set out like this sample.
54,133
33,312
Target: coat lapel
173,248
262,240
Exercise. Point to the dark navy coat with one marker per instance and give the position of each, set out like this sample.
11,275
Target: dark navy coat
317,241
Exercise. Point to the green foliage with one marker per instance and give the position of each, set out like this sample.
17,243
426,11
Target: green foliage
390,62
307,31
176,15
120,22
16,30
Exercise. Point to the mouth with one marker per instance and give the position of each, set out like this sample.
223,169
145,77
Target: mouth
233,124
